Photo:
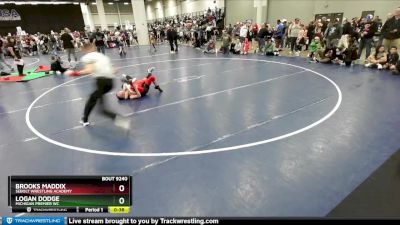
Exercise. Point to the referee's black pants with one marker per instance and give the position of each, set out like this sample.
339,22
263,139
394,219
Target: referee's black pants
104,85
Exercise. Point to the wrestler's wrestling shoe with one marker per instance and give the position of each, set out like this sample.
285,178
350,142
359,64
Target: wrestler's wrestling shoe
84,123
150,71
158,88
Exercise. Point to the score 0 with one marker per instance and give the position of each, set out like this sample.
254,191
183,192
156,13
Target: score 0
121,188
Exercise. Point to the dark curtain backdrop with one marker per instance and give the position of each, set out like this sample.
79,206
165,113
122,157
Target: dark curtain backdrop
43,18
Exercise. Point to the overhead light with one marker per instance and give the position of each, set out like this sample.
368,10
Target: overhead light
111,3
126,3
94,3
76,3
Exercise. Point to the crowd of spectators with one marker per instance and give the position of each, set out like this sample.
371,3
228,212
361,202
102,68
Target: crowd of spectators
336,40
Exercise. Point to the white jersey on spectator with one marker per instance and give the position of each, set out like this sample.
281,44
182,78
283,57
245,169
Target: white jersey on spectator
243,31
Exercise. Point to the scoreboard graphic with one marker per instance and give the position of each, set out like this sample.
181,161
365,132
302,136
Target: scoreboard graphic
77,194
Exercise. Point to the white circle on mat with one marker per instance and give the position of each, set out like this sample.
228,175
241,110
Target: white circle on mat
182,153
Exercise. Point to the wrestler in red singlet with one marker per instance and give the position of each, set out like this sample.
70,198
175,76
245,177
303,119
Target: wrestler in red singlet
138,88
144,84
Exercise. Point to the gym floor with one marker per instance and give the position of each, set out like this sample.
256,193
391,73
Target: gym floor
230,135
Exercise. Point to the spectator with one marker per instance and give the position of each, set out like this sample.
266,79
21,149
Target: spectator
310,33
34,48
262,34
367,33
293,34
237,29
120,39
279,33
208,31
172,37
53,44
270,49
324,24
315,46
318,30
254,31
196,40
391,31
98,40
68,44
15,53
378,59
236,46
392,59
332,34
226,41
347,32
326,56
301,39
378,22
229,29
270,31
350,53
397,70
56,64
2,57
243,32
210,48
153,41
246,47
285,39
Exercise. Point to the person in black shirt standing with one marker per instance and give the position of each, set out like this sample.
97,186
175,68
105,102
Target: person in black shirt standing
98,39
68,44
262,34
347,33
15,53
325,23
53,44
310,33
45,48
172,37
367,33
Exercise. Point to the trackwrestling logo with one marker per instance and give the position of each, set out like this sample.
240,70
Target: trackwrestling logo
33,220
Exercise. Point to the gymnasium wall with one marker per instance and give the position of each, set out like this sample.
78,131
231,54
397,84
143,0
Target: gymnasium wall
290,9
155,9
42,18
116,13
165,8
172,8
239,10
353,8
306,9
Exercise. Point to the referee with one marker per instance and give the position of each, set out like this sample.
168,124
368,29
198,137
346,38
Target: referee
100,67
